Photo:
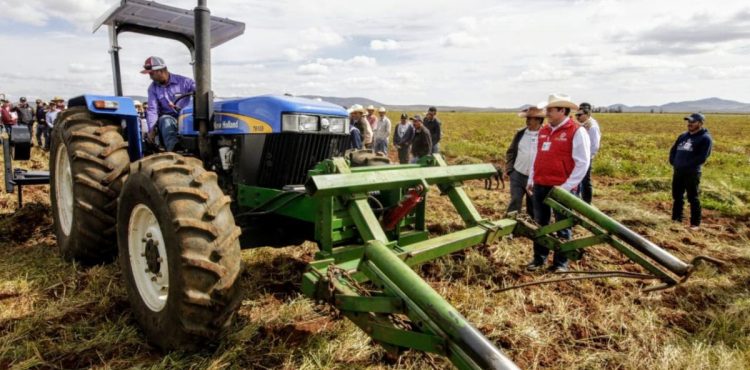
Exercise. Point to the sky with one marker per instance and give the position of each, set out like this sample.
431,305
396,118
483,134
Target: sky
472,52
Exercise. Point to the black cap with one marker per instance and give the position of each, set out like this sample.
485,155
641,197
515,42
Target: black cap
695,117
23,99
432,109
586,106
404,115
417,118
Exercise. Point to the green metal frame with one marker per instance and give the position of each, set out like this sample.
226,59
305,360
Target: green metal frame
366,272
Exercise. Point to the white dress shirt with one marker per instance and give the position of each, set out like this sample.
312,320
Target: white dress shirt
595,134
581,157
527,147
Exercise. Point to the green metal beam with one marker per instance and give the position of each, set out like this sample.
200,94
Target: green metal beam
369,304
349,183
608,224
450,321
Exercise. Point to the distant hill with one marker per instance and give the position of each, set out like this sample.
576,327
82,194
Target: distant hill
347,102
709,105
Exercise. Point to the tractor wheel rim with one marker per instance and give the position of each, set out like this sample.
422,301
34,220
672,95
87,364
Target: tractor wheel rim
64,189
148,257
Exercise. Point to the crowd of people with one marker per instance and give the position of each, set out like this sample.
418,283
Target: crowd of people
413,137
41,117
541,156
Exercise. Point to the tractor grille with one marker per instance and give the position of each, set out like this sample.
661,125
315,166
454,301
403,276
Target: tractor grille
288,156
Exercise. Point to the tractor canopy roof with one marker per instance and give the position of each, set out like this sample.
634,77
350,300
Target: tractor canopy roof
156,19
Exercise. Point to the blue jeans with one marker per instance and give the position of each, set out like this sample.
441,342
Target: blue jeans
542,216
168,132
435,148
381,145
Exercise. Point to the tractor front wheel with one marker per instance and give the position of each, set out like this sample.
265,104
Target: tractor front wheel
179,251
88,165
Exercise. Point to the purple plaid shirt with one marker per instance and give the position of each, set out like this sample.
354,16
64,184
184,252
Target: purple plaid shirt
161,97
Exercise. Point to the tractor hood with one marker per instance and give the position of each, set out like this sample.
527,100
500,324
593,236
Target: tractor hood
259,114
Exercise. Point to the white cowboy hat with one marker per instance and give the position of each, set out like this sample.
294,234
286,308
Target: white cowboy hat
532,112
356,108
558,101
370,107
382,109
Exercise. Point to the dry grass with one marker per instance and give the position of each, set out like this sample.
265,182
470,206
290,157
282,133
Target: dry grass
59,315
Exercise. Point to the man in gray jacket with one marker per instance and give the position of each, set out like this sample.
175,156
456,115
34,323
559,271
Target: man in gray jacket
520,157
402,138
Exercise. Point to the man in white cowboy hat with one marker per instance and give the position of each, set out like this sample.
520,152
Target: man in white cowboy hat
357,120
371,117
520,156
382,131
562,159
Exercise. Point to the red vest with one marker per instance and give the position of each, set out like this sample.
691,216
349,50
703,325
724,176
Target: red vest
554,157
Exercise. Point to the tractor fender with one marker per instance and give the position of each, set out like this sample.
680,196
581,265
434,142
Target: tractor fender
124,111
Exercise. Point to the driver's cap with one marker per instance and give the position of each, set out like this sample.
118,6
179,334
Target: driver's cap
153,64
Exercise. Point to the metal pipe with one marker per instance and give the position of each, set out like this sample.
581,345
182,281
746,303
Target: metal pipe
455,325
630,237
114,53
386,179
202,102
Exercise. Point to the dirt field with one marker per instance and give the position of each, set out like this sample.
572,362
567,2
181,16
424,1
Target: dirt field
58,315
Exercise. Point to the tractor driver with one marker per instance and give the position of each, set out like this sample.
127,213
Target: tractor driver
163,106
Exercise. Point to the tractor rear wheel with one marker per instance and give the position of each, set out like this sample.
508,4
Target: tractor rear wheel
88,164
179,251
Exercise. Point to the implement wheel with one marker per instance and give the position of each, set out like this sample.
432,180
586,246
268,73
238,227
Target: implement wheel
179,251
88,164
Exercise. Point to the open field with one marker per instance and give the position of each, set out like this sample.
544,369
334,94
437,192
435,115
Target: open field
59,315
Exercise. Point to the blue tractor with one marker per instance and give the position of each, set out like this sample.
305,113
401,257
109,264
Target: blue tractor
108,190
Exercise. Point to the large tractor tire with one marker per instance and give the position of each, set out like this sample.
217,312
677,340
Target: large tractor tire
179,251
88,165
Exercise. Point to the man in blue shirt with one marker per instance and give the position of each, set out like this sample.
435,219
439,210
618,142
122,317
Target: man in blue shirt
163,107
687,156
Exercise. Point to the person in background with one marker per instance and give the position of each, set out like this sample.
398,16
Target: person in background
422,144
583,116
371,117
519,159
382,132
687,156
562,159
25,115
163,107
402,138
141,116
433,125
7,118
363,133
55,107
41,123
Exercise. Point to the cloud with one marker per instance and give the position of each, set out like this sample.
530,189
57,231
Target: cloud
38,13
83,68
544,72
359,61
384,44
700,33
462,40
312,69
468,36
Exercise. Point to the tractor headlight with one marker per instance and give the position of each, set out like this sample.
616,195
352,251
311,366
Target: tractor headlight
299,122
336,124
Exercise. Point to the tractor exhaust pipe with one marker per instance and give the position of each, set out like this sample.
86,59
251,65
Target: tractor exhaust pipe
203,100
